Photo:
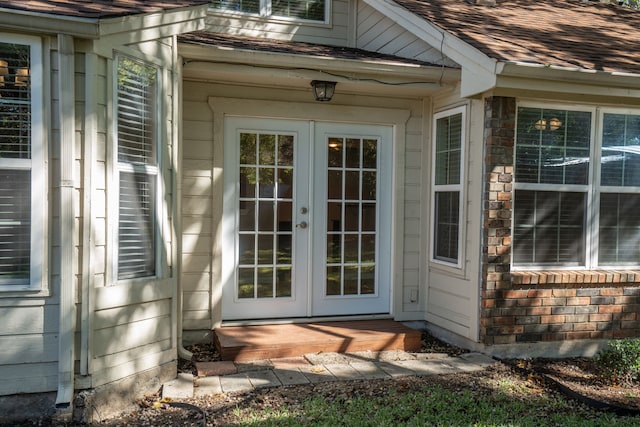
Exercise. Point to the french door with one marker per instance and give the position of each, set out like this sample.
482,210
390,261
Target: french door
306,219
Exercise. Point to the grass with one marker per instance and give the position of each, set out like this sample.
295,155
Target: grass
504,405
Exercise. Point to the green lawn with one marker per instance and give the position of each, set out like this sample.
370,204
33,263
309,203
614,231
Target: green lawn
506,404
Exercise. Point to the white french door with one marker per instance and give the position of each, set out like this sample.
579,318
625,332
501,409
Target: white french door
306,219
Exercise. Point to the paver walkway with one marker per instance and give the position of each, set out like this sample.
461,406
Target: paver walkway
228,377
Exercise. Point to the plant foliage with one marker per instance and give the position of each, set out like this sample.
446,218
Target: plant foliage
620,360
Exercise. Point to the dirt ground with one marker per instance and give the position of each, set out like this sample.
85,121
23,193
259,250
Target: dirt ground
540,375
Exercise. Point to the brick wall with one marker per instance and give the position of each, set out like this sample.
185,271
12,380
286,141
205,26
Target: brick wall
540,305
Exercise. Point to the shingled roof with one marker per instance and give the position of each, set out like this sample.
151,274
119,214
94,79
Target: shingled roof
564,33
205,38
97,9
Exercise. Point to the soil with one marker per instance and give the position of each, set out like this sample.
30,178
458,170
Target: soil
534,376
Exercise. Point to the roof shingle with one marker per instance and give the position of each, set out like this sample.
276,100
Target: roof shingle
97,9
563,33
206,38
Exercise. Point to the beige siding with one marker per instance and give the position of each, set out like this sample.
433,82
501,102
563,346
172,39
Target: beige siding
197,204
334,33
377,33
132,323
200,278
453,294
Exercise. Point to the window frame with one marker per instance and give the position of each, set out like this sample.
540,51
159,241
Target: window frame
128,167
266,14
38,171
459,187
593,188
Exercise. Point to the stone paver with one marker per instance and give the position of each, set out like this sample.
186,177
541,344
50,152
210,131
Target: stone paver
317,374
229,377
344,372
370,370
208,386
263,379
425,367
180,388
235,383
210,369
394,370
291,376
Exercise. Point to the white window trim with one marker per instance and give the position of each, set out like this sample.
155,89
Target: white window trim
447,188
119,167
265,15
39,208
593,189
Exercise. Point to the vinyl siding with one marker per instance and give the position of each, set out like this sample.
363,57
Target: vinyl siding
132,323
335,33
200,274
377,33
453,294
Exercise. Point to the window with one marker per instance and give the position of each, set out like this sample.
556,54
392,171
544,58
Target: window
311,10
21,164
137,167
565,212
447,185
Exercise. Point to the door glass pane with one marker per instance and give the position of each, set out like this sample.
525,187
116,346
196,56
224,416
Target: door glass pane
335,152
283,282
334,185
246,249
353,153
265,229
246,284
352,222
265,282
285,150
334,278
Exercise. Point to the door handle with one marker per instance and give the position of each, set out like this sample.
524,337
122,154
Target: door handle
302,225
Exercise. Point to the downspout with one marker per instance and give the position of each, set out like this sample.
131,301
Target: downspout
66,116
183,353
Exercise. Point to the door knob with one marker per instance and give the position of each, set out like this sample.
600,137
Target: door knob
302,225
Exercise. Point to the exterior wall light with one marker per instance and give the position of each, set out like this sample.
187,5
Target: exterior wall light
323,91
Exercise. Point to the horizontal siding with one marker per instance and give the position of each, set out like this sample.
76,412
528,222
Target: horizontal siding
377,33
334,34
199,280
28,378
26,349
149,358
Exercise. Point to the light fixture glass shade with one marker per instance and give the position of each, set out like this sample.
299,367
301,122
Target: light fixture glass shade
323,90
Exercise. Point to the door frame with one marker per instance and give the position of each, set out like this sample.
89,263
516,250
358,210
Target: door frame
396,118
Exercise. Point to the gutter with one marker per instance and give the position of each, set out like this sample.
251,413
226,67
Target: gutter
183,353
67,325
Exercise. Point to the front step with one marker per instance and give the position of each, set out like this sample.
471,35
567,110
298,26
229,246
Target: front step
243,343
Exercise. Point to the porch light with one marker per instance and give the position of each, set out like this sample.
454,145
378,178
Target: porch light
322,90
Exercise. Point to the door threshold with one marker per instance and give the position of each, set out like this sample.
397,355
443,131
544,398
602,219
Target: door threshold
291,320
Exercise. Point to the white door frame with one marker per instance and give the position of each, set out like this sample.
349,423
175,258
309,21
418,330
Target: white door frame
397,118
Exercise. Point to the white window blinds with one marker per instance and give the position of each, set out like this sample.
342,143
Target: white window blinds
20,227
137,168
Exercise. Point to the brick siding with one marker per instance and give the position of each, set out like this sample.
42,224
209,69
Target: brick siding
531,306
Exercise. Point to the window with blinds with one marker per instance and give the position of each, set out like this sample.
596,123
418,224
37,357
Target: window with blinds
447,184
137,164
556,188
20,227
311,10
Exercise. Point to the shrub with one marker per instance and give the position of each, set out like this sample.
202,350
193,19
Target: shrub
620,360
